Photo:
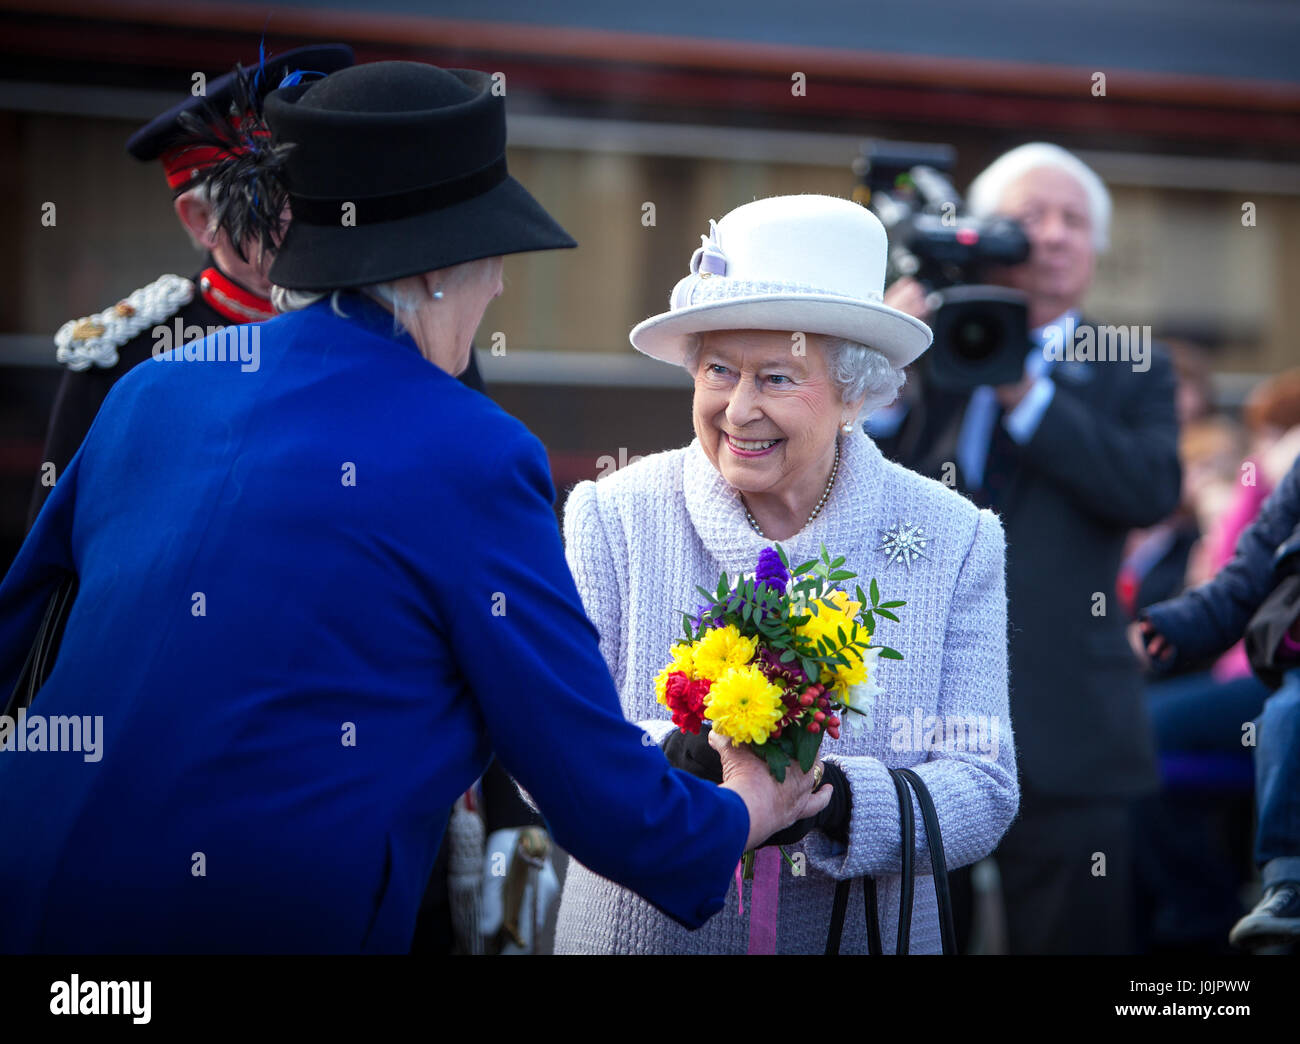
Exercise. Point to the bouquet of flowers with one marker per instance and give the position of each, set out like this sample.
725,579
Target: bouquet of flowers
778,660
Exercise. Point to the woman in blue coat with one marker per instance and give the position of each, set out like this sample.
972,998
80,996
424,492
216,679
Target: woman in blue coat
320,583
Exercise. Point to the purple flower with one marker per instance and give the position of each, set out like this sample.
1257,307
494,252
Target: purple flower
771,571
699,617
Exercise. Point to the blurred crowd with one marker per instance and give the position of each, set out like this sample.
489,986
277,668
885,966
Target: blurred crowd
1194,870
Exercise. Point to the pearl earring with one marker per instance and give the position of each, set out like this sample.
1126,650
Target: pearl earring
437,295
847,428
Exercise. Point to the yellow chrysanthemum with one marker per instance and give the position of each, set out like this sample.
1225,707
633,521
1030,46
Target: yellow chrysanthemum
721,649
744,705
838,612
854,674
682,660
844,678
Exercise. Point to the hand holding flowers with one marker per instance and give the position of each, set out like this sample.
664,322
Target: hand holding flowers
773,805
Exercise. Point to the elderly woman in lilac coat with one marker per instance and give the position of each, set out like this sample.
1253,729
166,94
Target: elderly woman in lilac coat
781,326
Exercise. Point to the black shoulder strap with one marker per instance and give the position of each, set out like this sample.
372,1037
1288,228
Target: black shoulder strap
907,823
938,862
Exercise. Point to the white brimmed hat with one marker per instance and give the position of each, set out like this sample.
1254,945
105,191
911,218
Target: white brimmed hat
810,264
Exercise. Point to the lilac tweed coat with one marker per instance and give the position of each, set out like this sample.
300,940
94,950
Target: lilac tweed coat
640,539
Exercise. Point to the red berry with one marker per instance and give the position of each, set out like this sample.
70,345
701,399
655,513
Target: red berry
834,721
814,727
822,701
806,700
819,716
833,732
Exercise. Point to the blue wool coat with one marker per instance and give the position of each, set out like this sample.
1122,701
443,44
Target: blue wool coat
1205,621
315,595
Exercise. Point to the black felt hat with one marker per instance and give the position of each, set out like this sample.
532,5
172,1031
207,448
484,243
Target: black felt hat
398,168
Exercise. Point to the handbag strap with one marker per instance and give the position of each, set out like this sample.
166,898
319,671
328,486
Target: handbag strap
905,781
938,862
907,823
838,909
874,946
870,899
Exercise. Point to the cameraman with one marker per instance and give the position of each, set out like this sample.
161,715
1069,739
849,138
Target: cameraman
1071,456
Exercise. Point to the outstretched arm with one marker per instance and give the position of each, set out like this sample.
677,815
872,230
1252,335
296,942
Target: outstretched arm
531,658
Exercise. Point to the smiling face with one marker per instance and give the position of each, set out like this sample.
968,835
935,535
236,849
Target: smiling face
1053,209
765,416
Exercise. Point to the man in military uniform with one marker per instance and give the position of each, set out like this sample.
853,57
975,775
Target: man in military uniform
232,287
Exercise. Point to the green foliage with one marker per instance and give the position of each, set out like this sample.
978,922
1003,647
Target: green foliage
806,745
775,617
776,757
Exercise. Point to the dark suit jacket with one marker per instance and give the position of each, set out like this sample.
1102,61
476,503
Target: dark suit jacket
1104,459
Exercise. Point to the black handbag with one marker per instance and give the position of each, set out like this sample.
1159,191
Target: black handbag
40,658
1275,615
902,779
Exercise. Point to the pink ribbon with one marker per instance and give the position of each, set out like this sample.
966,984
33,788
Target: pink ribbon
765,900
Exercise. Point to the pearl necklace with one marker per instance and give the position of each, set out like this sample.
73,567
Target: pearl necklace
835,469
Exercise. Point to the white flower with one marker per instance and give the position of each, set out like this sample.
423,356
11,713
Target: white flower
863,695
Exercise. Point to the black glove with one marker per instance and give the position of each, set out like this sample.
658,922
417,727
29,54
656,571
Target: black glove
691,752
833,820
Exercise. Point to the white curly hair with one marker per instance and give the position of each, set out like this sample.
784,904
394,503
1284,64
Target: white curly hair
857,370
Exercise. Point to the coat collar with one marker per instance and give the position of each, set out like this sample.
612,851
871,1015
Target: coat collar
367,313
849,519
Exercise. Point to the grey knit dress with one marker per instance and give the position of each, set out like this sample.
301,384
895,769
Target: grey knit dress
640,539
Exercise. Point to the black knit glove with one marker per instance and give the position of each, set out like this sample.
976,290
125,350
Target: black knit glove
691,752
833,820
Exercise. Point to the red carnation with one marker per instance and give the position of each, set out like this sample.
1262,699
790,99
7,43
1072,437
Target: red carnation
675,688
685,698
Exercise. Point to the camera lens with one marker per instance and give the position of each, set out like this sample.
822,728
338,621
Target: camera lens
977,336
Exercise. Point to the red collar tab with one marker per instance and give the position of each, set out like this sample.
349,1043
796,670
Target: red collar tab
231,300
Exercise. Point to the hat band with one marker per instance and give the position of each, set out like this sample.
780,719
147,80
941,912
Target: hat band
701,289
394,206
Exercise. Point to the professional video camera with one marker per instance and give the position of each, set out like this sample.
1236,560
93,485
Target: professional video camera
981,333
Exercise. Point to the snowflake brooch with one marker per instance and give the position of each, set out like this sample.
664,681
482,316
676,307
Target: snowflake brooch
905,543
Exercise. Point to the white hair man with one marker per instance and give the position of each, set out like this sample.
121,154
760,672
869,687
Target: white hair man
1075,454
